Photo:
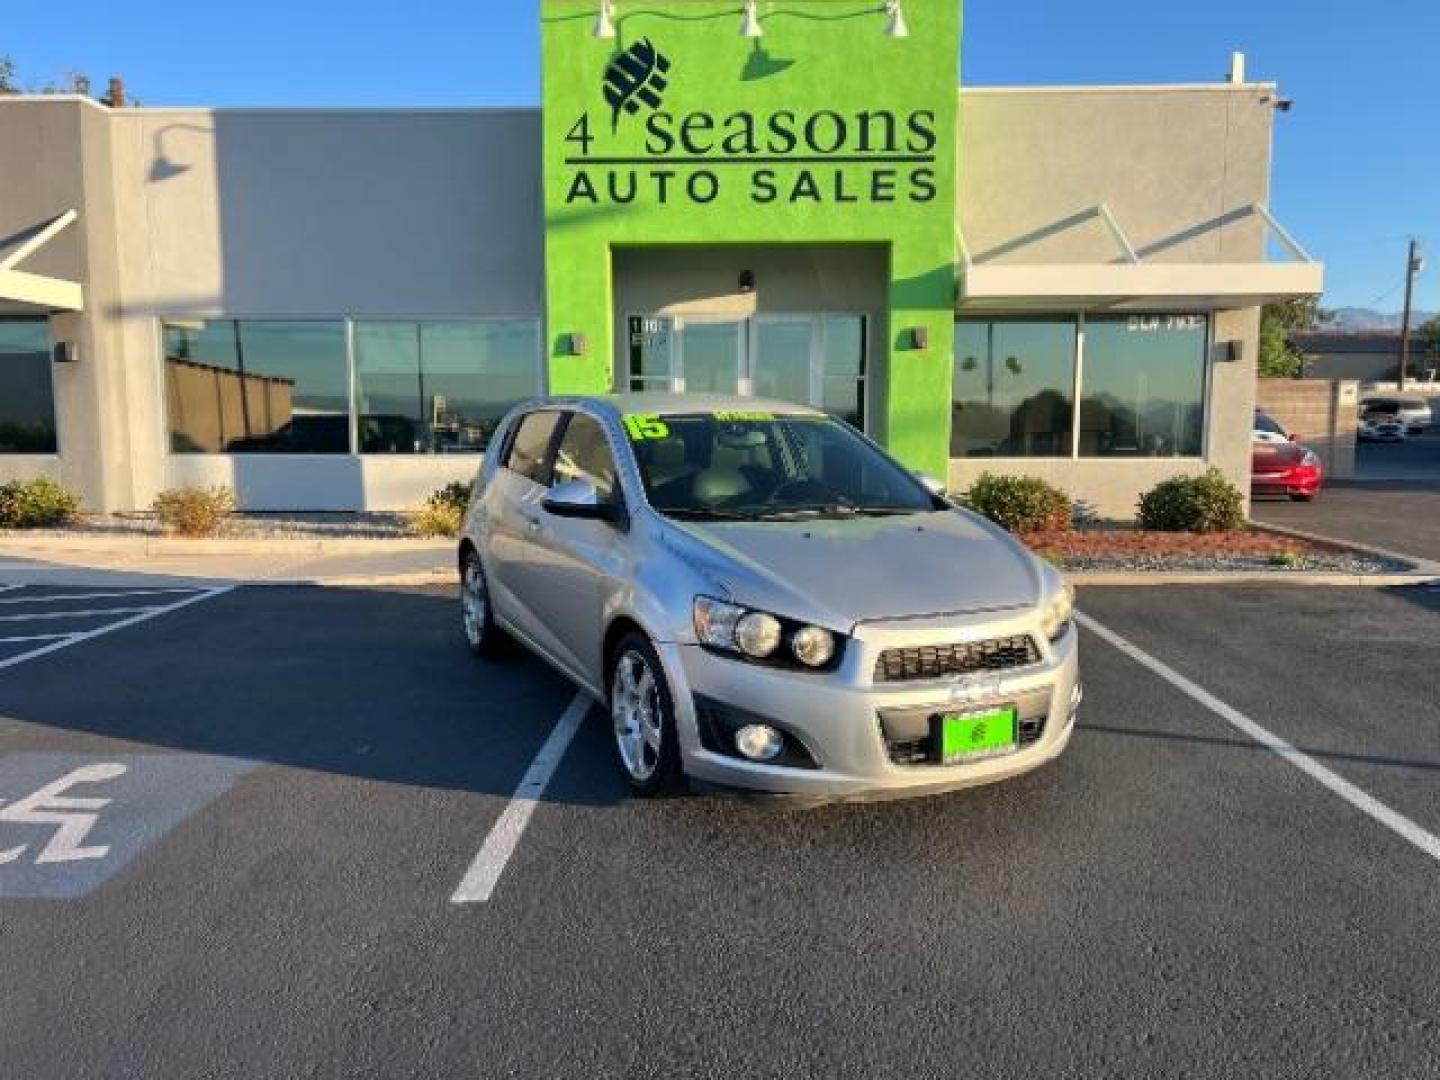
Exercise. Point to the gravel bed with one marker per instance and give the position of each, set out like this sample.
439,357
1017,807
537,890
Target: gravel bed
1333,563
248,527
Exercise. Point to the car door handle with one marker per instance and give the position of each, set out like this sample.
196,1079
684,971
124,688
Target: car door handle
532,524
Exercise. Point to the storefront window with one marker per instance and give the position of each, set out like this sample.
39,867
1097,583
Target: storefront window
1013,388
256,387
844,385
1144,386
27,400
440,388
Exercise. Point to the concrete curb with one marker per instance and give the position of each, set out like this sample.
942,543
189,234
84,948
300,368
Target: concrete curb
1427,567
1244,577
176,545
361,581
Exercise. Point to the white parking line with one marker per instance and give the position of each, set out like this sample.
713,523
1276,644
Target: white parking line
1362,800
142,616
75,614
33,637
88,596
479,881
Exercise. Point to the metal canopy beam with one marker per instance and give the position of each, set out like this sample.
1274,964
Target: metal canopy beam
38,290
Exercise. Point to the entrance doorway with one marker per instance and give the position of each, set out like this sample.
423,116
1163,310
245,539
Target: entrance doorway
815,359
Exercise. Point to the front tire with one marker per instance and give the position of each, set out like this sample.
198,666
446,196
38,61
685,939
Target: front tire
642,720
1300,496
477,617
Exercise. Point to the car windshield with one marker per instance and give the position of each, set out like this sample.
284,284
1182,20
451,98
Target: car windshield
759,465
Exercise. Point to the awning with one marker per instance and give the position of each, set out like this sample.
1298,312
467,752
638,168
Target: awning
1131,284
24,291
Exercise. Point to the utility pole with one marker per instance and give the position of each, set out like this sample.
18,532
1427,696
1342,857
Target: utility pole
1413,263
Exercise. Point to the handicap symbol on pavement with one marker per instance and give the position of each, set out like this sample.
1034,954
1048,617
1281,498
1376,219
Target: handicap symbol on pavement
69,822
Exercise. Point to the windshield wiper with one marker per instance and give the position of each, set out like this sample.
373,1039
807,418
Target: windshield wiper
704,513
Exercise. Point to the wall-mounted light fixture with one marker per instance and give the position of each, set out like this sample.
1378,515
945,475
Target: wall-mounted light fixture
919,337
576,345
747,281
605,21
750,25
64,352
896,26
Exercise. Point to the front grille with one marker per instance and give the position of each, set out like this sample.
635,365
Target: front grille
936,661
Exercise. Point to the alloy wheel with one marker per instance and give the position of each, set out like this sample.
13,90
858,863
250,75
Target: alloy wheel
635,711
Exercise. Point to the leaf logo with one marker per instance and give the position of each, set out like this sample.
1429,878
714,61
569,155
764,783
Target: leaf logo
635,77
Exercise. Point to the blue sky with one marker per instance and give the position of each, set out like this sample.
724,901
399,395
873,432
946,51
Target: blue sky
1357,162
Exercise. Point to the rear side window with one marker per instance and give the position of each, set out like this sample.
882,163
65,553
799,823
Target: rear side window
529,450
1265,422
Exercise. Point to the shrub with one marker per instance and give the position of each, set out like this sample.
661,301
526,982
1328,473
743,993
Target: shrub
443,512
1287,560
456,494
36,504
1200,504
195,511
1019,503
436,519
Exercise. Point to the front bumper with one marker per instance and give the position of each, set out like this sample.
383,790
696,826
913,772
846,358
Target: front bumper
852,726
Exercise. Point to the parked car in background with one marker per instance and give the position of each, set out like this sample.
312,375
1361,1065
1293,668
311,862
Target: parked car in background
1381,428
763,598
1413,412
1281,467
1268,430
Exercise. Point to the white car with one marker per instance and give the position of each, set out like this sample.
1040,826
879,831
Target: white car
1414,413
1379,428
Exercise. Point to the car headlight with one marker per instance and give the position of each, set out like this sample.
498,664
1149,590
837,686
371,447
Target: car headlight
758,635
1055,617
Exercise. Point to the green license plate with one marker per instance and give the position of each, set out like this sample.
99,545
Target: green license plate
977,734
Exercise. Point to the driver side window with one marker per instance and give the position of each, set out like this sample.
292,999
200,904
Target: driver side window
584,454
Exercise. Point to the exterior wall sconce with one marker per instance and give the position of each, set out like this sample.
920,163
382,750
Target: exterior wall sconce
750,25
64,352
919,337
747,281
605,21
576,345
896,26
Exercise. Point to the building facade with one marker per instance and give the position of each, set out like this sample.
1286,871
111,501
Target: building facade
330,309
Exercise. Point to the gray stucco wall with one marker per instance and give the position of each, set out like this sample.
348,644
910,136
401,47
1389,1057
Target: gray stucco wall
1176,166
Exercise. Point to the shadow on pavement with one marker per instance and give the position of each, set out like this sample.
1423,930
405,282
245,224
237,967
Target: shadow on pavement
375,684
1247,744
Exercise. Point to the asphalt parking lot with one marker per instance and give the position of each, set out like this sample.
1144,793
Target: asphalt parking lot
231,836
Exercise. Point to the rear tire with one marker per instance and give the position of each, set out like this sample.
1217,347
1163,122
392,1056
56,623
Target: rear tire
1299,496
642,720
483,636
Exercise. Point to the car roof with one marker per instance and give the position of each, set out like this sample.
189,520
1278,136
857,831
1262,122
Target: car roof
683,404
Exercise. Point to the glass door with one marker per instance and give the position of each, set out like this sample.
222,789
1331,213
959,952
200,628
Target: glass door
810,359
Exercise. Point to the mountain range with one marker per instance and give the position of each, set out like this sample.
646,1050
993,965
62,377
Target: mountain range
1358,318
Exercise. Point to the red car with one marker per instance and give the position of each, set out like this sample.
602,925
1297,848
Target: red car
1281,466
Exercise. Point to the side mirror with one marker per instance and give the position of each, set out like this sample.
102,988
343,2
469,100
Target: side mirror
580,499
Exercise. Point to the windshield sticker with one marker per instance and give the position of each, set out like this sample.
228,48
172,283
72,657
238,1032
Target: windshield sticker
743,417
642,426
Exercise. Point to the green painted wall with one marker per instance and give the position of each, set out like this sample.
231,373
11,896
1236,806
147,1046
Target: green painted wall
824,130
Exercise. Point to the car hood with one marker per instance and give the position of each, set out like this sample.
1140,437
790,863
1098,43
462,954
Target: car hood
840,572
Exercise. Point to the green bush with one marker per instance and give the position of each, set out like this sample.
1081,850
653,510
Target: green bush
1199,504
195,511
1020,504
36,504
456,494
443,512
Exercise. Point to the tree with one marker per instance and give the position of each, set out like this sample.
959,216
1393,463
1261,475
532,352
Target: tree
8,78
1279,359
70,82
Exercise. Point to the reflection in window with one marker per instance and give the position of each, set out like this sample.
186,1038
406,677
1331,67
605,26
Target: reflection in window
440,388
27,402
1144,386
1013,388
844,375
256,387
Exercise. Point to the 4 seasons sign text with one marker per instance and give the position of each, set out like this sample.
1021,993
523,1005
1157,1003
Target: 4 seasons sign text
639,151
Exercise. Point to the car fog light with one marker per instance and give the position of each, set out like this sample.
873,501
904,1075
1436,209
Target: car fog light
757,634
813,646
759,742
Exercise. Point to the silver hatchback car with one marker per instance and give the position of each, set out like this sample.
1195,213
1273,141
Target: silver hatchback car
763,598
